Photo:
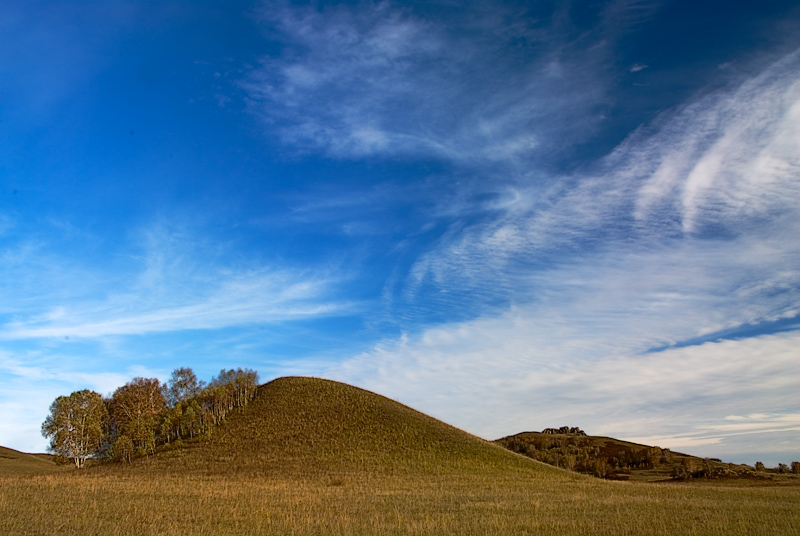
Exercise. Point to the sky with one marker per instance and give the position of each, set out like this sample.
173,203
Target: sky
507,215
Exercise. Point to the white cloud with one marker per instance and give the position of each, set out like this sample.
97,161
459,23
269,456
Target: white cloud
169,277
531,370
676,442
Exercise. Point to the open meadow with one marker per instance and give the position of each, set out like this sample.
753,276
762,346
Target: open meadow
536,501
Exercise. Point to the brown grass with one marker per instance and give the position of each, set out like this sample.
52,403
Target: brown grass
82,504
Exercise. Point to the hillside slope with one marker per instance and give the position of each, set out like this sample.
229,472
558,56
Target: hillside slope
15,463
305,426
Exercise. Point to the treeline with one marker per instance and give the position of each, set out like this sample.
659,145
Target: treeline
564,430
144,414
691,468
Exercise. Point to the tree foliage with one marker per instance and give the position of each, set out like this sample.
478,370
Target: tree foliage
123,450
182,386
75,425
136,410
564,430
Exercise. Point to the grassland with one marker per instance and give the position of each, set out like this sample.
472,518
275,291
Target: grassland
359,504
316,457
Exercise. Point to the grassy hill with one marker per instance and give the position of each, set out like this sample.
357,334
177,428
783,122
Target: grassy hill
310,456
15,463
307,426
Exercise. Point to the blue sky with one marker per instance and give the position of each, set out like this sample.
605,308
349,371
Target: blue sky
510,216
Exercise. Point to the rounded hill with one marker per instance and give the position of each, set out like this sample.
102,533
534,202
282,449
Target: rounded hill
305,426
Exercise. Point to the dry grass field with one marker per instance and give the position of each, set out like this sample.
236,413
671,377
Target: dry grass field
317,457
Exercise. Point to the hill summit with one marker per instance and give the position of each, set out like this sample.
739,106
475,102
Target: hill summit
305,426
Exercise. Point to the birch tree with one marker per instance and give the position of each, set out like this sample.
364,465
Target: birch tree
182,386
75,425
137,408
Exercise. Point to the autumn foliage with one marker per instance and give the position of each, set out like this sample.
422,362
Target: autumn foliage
143,414
75,425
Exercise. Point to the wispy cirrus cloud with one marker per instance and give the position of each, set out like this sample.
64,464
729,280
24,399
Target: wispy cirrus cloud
728,160
711,190
376,79
44,371
247,299
748,431
178,282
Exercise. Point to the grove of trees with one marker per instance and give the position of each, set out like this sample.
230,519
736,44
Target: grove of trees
144,414
573,451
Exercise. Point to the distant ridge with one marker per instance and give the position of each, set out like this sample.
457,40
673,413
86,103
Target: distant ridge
616,459
306,426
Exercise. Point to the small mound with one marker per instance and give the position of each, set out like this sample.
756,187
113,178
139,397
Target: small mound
303,426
